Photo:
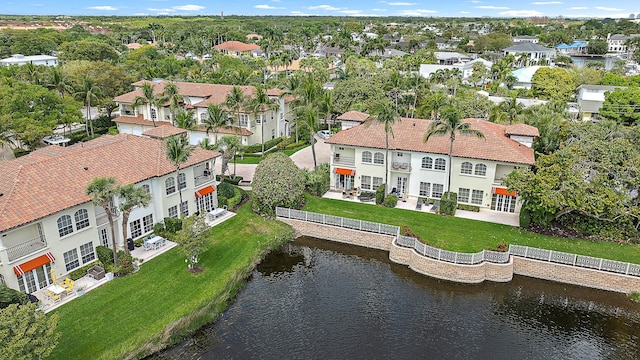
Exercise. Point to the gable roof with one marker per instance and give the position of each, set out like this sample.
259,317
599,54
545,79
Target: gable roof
408,136
139,120
236,46
163,132
353,116
53,178
526,46
522,129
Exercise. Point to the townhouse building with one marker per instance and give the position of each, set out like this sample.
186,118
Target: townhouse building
47,222
420,170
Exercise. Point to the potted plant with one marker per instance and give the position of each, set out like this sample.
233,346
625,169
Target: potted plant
79,291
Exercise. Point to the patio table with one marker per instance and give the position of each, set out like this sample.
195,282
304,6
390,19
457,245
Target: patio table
56,289
216,213
156,242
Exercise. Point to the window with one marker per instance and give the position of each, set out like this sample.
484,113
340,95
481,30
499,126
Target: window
427,162
184,208
173,212
182,181
136,228
463,195
481,170
146,188
82,219
441,164
378,158
244,120
154,114
65,227
425,188
71,259
366,157
377,181
259,119
365,182
438,189
476,197
170,185
466,168
87,253
206,203
104,238
203,117
399,154
147,222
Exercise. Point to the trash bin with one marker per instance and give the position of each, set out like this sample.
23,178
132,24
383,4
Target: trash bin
130,244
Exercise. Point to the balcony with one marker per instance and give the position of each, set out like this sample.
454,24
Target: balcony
127,112
26,248
401,166
102,219
344,160
203,177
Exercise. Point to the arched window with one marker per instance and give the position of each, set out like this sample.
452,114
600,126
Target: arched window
203,117
366,157
378,158
146,188
182,181
441,164
427,163
170,185
467,167
82,219
65,226
481,170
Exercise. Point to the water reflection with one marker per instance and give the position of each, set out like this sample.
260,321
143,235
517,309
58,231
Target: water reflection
317,299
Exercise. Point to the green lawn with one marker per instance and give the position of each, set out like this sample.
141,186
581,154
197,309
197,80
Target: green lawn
256,159
136,315
465,235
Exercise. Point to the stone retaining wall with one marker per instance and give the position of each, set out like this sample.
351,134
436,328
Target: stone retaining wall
334,233
575,275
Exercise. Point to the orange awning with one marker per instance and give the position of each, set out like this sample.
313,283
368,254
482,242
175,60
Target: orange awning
33,264
343,171
205,191
503,191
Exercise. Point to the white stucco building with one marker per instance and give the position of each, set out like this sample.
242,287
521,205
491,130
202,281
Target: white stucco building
19,59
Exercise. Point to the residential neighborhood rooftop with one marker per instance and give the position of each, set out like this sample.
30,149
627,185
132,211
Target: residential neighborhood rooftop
354,116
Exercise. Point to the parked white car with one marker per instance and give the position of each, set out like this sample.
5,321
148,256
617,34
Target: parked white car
324,134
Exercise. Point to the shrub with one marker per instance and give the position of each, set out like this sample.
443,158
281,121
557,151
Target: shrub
380,194
172,225
125,264
236,199
390,201
277,182
406,231
469,207
232,180
9,296
222,201
525,218
317,181
105,255
113,130
448,203
501,247
17,152
78,273
267,145
225,189
634,296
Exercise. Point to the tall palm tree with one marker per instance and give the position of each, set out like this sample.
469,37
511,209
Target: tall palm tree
175,99
451,123
230,147
185,119
385,113
178,151
308,116
88,91
235,100
261,103
510,108
59,82
216,118
102,191
130,197
434,104
148,97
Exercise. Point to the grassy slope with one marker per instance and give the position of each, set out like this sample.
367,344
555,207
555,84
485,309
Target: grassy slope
131,316
465,235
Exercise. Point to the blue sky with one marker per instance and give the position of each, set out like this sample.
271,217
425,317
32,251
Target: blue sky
494,8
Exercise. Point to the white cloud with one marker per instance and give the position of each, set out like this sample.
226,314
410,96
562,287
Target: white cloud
264,6
579,8
299,13
603,8
547,3
464,12
161,11
323,7
379,10
416,12
491,7
103,8
476,1
351,12
189,7
400,4
517,13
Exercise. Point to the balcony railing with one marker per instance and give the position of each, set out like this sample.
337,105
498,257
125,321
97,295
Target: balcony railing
401,166
26,248
102,219
204,178
344,160
128,112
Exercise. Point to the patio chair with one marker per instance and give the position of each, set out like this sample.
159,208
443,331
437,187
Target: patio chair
49,295
69,289
56,298
419,205
67,283
145,244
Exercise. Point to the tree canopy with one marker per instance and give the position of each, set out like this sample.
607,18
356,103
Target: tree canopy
277,182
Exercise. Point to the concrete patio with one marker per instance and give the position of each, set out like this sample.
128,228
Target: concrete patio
411,203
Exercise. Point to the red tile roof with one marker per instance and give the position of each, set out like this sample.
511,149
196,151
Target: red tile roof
354,116
163,131
236,46
409,133
522,129
54,178
139,120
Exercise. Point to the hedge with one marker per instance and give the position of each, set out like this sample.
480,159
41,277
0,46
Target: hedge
267,145
448,203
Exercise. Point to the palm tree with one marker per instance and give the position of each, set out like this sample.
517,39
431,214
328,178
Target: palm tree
58,81
130,197
148,98
88,91
102,191
235,100
434,104
229,146
510,108
185,119
216,118
385,113
261,103
308,115
178,152
451,123
175,99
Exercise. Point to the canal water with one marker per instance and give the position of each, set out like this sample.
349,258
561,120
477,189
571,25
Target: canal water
315,299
